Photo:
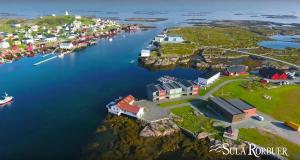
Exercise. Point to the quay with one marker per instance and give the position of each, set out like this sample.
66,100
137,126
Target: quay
44,61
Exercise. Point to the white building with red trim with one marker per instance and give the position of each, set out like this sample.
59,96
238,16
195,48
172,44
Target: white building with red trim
126,106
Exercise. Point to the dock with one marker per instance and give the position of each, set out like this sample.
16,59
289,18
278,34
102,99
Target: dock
44,61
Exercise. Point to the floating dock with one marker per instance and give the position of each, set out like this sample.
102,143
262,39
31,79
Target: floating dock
44,61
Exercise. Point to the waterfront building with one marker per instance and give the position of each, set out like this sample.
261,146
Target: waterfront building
173,90
188,87
16,25
208,78
126,106
156,92
66,45
145,53
160,38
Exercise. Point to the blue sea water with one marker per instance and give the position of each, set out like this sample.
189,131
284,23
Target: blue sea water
59,104
281,42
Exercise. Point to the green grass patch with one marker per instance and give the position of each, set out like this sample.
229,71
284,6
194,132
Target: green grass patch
284,105
178,49
218,82
233,37
172,103
191,121
266,139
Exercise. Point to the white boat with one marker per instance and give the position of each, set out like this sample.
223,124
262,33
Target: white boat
61,55
6,99
110,39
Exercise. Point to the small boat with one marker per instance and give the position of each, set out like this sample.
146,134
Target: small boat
110,39
132,61
6,99
61,55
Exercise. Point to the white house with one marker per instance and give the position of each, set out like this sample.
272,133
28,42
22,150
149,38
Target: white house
160,38
28,40
145,53
66,45
125,106
16,25
174,39
4,45
77,17
208,78
35,28
51,39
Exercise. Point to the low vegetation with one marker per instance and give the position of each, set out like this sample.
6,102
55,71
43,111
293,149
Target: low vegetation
266,139
192,121
283,105
172,103
118,138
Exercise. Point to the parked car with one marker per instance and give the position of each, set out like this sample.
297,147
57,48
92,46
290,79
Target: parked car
260,118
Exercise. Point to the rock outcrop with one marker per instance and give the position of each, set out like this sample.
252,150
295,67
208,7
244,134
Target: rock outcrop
160,128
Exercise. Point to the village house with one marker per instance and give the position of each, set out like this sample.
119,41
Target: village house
16,25
127,107
174,39
145,53
208,78
51,39
160,37
28,41
273,73
236,70
4,45
66,45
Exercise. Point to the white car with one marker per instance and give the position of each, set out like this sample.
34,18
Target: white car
260,118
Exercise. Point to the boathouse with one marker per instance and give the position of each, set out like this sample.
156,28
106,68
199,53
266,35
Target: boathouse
273,73
127,107
208,78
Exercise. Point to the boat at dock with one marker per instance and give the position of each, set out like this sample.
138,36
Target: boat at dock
6,99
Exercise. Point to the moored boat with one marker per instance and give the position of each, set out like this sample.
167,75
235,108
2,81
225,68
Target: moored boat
6,99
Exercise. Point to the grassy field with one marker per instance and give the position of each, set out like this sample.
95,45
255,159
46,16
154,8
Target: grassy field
219,81
194,123
284,105
178,49
266,139
216,36
172,103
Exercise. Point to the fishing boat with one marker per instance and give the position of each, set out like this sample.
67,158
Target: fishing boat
6,99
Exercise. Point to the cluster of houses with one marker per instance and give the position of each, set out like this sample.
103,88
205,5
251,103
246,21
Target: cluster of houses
171,88
160,38
26,38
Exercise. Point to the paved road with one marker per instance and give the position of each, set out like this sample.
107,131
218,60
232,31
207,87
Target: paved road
266,57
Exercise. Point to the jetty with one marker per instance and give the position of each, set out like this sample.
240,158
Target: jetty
44,61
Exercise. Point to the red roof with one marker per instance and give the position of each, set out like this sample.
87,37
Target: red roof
124,105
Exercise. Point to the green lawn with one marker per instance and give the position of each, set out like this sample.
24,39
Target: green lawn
194,123
266,139
172,103
168,49
284,105
232,37
219,81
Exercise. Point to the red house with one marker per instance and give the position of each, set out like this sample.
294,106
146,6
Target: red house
236,70
273,73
